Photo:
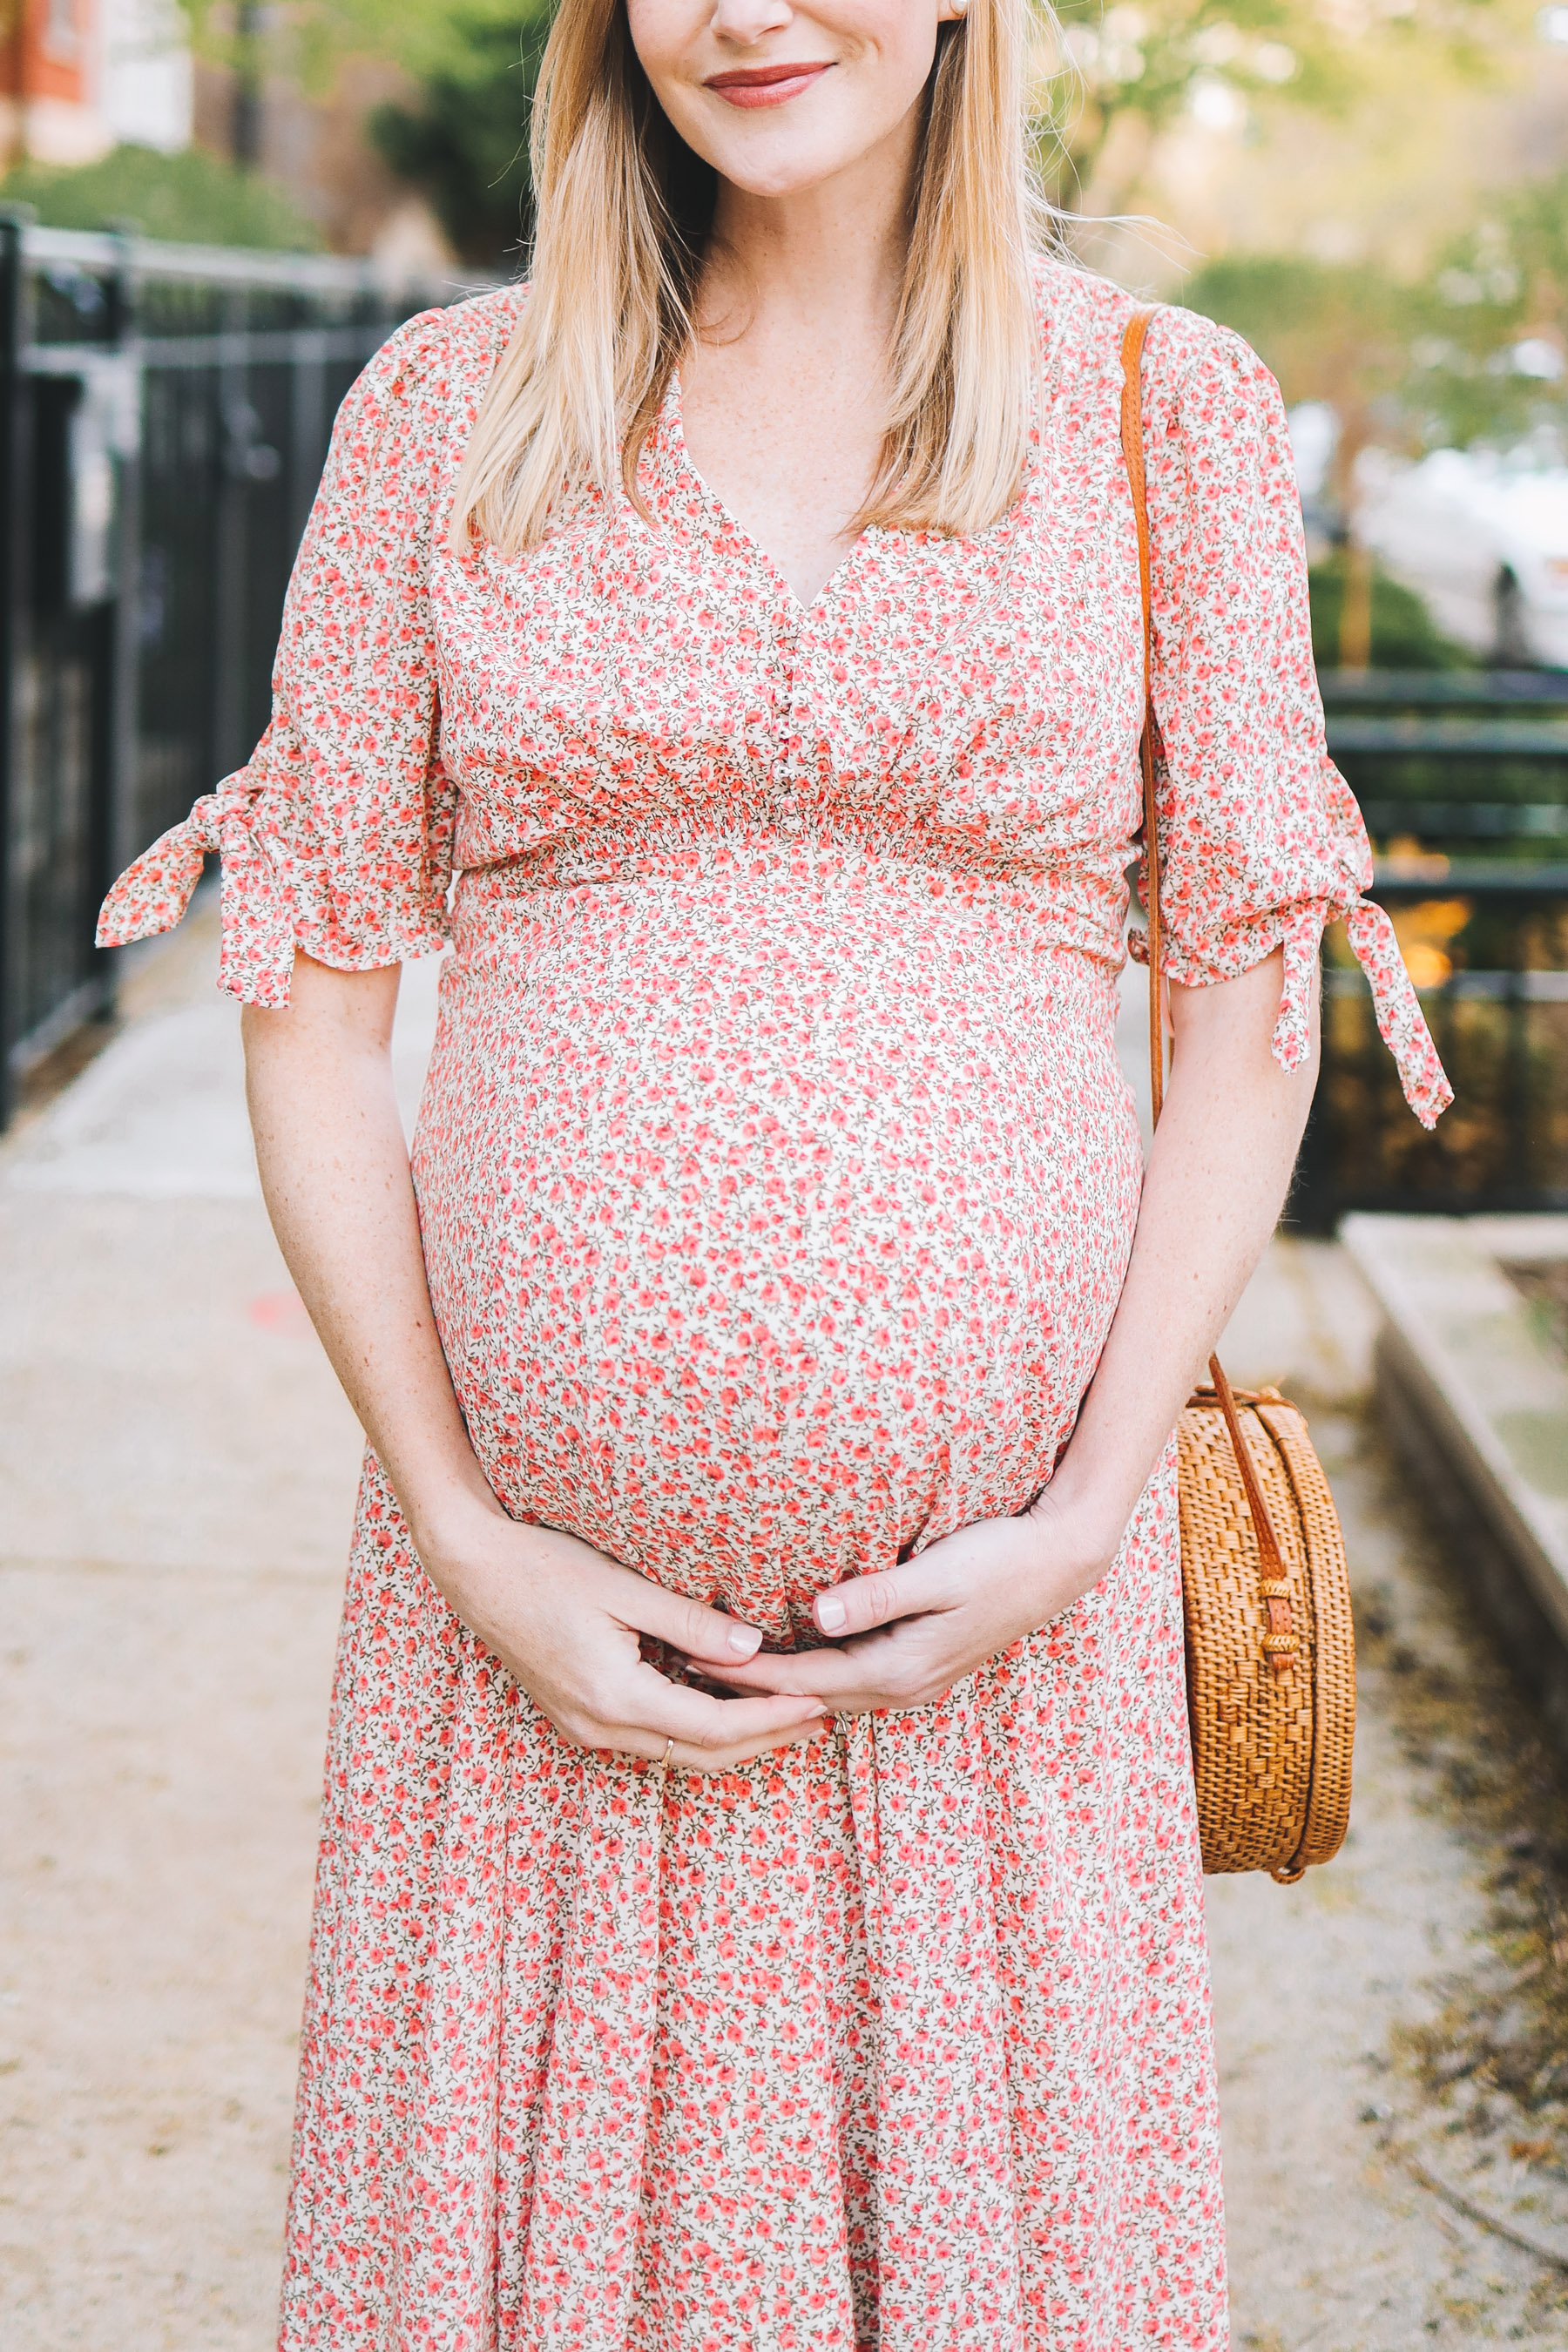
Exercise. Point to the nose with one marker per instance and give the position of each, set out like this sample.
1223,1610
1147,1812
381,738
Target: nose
744,22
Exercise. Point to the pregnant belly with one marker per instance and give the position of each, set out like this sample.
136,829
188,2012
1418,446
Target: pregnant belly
773,1226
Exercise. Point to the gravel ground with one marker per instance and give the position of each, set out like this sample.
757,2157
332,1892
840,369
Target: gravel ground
177,1474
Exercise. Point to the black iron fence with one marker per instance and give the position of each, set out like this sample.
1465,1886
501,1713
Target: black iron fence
1455,757
1463,779
1501,1027
164,413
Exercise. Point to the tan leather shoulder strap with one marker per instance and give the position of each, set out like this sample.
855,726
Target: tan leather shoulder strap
1132,451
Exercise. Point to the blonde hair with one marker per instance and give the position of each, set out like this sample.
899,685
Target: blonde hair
624,210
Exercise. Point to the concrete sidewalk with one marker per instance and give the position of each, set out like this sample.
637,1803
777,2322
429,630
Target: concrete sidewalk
176,1479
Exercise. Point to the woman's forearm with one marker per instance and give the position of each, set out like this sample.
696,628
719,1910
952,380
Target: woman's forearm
334,1170
1217,1178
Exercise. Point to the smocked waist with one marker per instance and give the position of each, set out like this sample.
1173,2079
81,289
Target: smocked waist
832,873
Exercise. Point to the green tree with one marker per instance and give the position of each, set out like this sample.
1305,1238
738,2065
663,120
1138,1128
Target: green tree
1116,77
462,135
193,197
1118,74
1401,633
1334,332
1473,350
1487,350
308,40
464,142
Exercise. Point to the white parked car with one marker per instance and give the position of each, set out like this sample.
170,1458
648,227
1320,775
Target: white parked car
1483,541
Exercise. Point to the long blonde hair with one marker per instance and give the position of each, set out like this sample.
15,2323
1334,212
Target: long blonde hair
624,212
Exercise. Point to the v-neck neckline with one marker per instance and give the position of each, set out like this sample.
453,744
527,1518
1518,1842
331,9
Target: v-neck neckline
673,420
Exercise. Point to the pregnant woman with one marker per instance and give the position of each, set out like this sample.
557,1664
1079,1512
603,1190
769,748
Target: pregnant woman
758,1901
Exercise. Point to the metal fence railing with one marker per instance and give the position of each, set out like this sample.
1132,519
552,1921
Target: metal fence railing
1463,779
1454,755
1501,1024
164,413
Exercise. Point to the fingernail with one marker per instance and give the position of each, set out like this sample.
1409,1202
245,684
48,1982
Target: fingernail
830,1615
744,1640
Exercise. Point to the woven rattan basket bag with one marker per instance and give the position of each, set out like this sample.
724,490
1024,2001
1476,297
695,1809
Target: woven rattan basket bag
1265,1592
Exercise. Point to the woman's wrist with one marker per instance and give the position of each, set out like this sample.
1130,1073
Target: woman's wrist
1080,1536
453,1525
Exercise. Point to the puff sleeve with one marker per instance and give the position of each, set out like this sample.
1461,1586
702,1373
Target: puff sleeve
1261,842
336,835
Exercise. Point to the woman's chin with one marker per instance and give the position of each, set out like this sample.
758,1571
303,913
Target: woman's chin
791,150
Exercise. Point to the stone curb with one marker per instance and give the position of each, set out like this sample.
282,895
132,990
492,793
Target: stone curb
1476,1405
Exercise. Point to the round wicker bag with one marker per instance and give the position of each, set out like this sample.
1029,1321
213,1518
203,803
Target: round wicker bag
1264,1588
1270,1646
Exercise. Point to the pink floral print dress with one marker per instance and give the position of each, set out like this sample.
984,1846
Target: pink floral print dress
777,1180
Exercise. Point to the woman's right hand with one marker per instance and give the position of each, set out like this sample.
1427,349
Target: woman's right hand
565,1621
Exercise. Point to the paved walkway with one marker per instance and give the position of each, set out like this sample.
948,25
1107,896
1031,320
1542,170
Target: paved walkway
177,1474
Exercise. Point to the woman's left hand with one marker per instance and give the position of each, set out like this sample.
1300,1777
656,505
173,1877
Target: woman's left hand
903,1638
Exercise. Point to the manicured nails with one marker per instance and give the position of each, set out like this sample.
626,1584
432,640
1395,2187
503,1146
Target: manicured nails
743,1640
831,1614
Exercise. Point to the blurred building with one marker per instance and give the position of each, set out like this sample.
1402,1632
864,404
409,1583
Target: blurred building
79,76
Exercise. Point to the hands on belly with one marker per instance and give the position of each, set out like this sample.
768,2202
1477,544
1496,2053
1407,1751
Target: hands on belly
903,1638
566,1621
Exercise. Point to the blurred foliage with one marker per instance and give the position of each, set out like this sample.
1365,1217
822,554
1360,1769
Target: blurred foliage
1473,351
194,197
307,40
461,137
1328,331
1404,635
1116,77
1488,325
1141,63
464,142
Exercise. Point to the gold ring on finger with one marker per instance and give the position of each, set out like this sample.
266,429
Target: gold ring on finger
669,1752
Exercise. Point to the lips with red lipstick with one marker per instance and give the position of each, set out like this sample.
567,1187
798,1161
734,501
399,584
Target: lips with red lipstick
767,85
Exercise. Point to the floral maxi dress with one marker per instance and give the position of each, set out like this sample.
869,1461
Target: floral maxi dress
777,1180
